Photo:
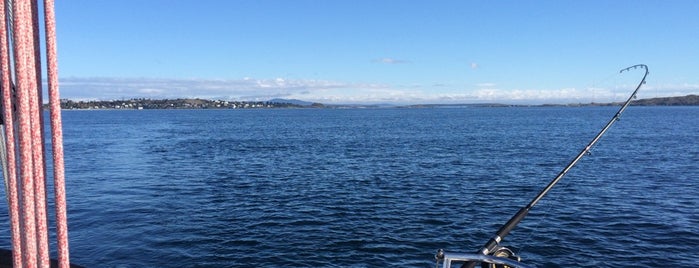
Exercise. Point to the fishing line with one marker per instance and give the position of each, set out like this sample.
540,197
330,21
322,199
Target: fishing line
609,82
605,84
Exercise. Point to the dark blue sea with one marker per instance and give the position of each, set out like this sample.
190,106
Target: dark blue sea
378,187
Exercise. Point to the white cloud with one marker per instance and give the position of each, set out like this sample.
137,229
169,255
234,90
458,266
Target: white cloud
666,90
326,91
391,61
102,88
150,91
486,85
474,65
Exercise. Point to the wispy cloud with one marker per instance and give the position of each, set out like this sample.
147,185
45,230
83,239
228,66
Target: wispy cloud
391,61
474,65
485,85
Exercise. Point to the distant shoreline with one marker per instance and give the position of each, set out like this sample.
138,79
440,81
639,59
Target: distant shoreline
198,104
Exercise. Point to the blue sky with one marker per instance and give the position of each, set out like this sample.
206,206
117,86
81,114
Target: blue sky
376,51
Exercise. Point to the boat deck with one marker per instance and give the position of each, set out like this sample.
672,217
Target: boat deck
6,260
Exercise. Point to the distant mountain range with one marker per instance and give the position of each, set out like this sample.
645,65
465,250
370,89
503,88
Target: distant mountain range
689,100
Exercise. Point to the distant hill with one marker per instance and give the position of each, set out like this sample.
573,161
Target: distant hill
688,100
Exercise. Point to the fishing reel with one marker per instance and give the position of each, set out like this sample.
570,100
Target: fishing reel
500,257
501,252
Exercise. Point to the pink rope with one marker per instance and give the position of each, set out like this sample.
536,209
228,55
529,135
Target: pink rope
56,136
37,137
23,64
28,212
13,199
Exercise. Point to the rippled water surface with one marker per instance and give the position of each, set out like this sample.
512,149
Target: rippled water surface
378,187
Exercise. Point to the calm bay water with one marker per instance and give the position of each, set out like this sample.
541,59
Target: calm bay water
378,187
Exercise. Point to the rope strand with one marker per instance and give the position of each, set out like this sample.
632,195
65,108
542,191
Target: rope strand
56,136
10,173
23,64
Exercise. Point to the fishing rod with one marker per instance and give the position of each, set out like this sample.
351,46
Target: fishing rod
493,244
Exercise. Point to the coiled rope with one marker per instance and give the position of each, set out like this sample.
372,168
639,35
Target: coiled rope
22,113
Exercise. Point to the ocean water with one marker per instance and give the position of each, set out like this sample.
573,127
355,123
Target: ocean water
378,187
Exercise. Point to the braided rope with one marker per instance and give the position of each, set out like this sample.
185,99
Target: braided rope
24,132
